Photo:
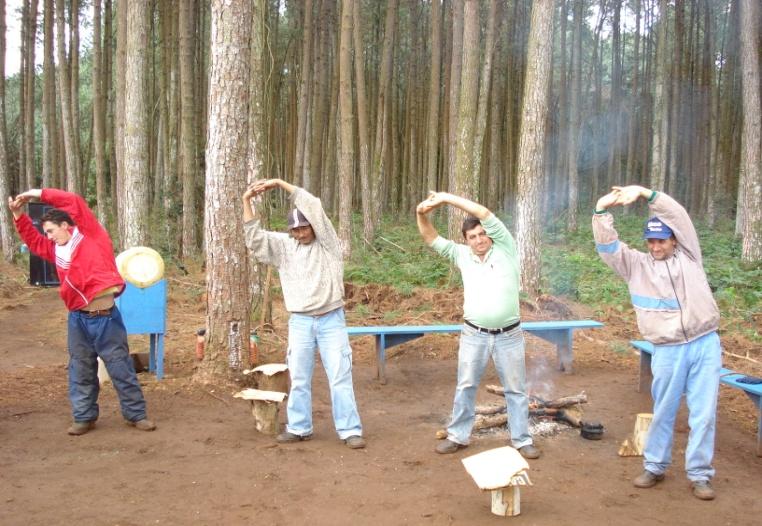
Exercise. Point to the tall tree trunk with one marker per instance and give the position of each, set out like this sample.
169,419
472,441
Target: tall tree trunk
50,166
432,126
7,242
187,130
346,146
532,143
363,139
660,123
99,117
635,98
136,164
304,97
29,98
382,145
574,115
228,304
74,79
484,83
73,183
454,215
466,176
750,186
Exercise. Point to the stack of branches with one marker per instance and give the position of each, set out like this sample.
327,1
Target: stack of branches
565,409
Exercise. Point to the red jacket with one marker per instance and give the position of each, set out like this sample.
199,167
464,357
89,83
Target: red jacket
92,267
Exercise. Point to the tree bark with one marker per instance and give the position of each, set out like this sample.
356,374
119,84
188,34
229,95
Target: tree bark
187,130
531,160
50,167
574,116
228,305
660,123
346,146
432,126
64,87
29,98
136,165
749,210
99,116
7,242
304,99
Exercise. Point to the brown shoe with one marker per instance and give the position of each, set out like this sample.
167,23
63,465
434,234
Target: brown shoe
287,438
80,428
647,479
529,451
446,446
355,442
142,425
702,489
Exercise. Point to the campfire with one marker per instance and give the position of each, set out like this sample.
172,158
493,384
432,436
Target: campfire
547,417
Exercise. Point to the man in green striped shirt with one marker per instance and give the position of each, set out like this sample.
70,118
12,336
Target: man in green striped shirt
489,264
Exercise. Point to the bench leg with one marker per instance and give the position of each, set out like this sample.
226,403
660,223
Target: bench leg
646,376
381,358
758,402
564,352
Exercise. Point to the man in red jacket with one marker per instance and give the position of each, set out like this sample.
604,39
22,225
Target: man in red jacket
84,257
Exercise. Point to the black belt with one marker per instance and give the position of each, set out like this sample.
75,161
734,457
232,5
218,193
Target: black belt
492,331
96,313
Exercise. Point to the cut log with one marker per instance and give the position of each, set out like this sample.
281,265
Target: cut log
266,416
633,446
506,502
489,409
536,402
270,377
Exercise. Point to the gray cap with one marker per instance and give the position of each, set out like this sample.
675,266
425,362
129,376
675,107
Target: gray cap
296,219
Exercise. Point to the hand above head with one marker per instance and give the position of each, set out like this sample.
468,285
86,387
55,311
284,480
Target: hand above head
16,205
607,201
434,201
629,194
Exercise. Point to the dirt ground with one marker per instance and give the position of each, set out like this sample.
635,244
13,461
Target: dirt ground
206,464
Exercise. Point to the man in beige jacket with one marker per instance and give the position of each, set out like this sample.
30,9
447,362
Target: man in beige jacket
675,312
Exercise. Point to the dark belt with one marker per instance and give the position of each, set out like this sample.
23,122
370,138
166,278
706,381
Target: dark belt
492,331
96,313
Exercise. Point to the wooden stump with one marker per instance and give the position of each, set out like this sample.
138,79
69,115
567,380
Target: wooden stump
266,416
506,502
634,445
271,377
265,406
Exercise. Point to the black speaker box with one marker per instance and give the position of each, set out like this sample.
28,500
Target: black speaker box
42,273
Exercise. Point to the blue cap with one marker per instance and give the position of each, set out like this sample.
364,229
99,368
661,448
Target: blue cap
656,229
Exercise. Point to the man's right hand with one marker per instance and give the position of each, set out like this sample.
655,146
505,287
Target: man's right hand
17,205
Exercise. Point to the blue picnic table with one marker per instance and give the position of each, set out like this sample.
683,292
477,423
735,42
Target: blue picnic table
556,332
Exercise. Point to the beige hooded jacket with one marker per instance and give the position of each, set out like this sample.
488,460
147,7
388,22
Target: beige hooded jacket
672,298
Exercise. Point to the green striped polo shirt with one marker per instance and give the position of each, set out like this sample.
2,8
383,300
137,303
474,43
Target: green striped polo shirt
490,287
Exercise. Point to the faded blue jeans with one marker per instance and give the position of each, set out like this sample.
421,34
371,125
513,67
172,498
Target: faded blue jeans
104,336
507,352
692,369
329,334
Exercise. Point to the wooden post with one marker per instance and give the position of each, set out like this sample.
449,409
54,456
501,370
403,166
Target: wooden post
506,501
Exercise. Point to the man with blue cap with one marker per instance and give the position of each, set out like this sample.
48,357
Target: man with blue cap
677,313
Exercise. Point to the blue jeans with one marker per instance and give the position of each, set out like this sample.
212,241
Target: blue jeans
507,351
104,336
692,369
329,334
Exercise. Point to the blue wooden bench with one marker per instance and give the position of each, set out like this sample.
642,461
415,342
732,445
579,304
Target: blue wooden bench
557,332
727,377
